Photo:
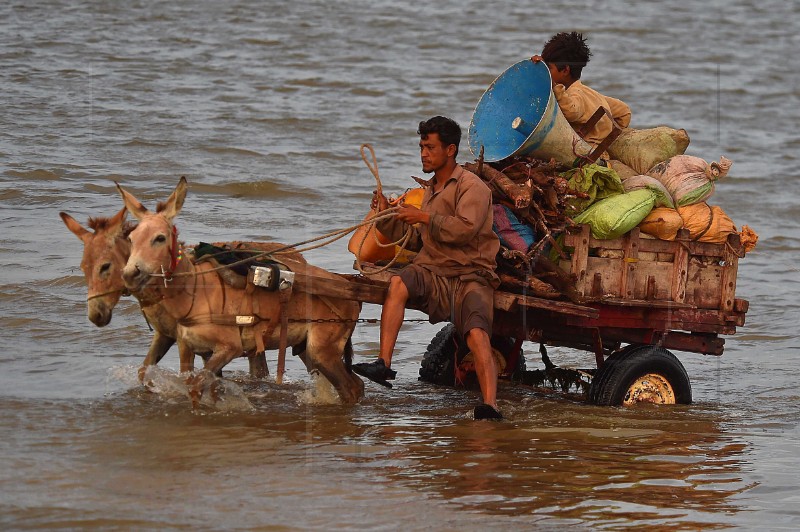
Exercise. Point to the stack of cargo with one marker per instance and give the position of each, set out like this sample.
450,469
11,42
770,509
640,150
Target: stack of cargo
536,200
544,176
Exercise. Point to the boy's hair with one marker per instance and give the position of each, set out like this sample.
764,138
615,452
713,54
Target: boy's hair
448,130
567,49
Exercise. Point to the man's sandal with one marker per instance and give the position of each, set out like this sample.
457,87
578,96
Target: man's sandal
485,411
376,371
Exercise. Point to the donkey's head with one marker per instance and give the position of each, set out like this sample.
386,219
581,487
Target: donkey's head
105,253
153,242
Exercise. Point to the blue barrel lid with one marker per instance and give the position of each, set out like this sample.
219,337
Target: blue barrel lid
523,90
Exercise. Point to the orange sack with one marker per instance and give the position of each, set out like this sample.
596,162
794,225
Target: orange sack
706,223
662,222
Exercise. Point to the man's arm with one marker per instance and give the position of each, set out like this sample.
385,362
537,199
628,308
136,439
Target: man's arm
394,227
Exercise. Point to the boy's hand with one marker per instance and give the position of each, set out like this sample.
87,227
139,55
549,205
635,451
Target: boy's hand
536,58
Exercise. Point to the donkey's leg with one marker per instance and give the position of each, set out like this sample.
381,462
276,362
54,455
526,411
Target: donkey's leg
186,354
158,348
327,358
258,364
200,382
205,357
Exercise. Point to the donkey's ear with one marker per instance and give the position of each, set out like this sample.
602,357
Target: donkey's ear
116,223
175,201
132,204
76,228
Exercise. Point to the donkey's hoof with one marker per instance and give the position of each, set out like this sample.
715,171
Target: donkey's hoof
216,390
195,395
195,385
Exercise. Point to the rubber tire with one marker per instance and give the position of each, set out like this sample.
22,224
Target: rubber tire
611,381
438,363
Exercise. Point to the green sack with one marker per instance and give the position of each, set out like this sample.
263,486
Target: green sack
596,181
615,216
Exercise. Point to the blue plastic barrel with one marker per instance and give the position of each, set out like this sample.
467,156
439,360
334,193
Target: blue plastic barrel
522,91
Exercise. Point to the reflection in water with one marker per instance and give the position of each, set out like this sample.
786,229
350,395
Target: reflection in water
555,461
572,461
554,457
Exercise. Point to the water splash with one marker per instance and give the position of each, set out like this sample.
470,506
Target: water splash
227,397
126,375
170,385
321,392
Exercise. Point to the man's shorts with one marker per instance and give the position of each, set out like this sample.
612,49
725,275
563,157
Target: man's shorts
467,300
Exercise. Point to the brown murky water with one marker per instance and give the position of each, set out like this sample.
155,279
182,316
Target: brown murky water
263,106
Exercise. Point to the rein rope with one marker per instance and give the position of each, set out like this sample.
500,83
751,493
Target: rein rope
379,215
288,248
327,238
121,291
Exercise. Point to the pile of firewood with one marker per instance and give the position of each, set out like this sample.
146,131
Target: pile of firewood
537,195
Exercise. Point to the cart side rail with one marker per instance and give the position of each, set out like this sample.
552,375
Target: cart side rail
637,268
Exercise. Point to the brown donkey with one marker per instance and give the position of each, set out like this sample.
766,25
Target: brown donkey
222,321
105,252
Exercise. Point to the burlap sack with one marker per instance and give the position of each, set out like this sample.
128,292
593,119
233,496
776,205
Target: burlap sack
638,182
641,149
689,179
623,170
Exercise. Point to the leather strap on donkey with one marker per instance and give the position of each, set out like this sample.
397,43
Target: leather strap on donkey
284,295
249,315
233,265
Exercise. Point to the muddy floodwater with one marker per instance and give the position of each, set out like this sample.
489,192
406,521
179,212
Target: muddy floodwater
263,107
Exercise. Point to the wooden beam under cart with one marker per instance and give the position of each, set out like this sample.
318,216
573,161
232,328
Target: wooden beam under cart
508,301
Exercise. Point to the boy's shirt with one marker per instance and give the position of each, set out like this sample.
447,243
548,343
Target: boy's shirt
579,102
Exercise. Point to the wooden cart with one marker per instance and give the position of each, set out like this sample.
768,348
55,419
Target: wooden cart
641,297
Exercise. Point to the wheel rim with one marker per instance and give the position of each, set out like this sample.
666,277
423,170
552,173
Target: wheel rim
650,388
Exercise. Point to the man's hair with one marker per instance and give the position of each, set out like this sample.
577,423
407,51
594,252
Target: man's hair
567,49
448,130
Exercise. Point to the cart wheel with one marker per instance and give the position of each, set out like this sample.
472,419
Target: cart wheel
438,363
641,374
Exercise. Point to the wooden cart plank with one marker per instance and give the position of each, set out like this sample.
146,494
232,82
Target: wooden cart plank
627,281
680,272
652,304
730,268
649,245
342,288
